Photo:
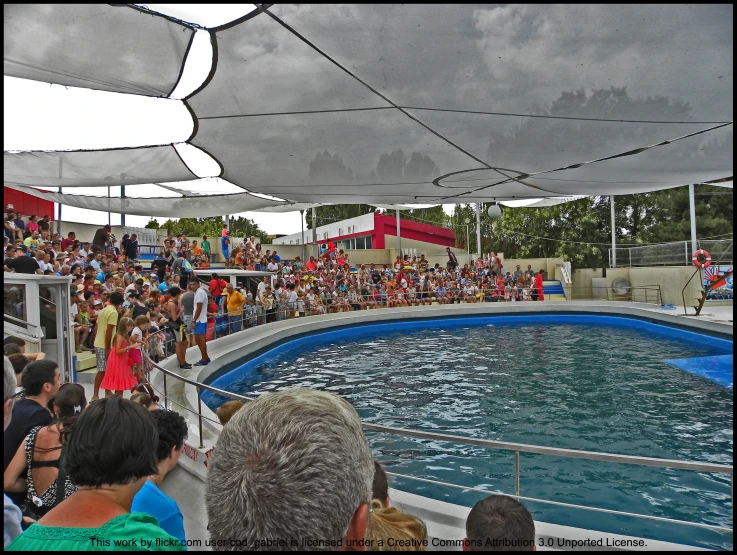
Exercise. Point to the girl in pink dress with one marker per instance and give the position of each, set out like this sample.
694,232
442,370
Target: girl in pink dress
119,371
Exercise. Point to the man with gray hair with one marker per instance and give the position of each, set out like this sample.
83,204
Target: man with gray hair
291,471
12,514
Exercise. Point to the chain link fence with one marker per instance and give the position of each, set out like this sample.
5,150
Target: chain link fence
673,254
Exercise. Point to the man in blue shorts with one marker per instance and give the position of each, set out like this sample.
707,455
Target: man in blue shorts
225,244
199,324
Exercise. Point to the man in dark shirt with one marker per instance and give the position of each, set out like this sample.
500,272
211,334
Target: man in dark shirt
40,381
102,236
131,248
43,224
159,266
23,264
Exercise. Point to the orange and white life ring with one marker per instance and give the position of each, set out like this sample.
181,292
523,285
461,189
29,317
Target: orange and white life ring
701,259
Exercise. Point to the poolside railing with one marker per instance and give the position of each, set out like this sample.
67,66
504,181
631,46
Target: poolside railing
517,448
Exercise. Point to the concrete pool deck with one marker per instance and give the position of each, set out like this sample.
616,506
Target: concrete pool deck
441,518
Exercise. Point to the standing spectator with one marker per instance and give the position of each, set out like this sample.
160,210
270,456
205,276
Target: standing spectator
22,264
107,321
119,371
40,380
172,430
216,287
452,260
234,303
293,431
110,454
539,285
43,223
12,515
131,248
225,245
159,265
101,238
206,248
499,523
176,324
200,324
182,268
187,300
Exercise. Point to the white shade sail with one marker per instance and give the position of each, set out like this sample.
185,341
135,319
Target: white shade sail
404,104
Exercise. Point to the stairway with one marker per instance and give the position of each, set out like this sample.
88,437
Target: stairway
553,290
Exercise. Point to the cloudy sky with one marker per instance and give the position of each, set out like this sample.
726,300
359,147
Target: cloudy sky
666,64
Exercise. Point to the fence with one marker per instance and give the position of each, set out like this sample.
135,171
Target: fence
672,254
517,448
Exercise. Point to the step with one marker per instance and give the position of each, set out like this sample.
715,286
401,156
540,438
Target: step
85,360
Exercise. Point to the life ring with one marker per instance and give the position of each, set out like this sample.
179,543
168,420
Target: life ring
701,259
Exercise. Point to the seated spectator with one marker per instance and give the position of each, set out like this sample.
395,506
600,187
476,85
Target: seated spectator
35,469
226,411
20,361
291,465
144,399
407,532
499,523
150,499
110,454
40,380
12,518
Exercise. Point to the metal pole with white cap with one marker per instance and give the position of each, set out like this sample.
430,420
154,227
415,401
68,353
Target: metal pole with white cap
614,234
692,214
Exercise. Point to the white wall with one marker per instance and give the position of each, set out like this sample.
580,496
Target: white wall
359,224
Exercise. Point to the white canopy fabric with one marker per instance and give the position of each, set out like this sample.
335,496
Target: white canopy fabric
193,206
538,202
404,104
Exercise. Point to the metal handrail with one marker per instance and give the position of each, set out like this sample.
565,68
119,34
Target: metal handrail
492,444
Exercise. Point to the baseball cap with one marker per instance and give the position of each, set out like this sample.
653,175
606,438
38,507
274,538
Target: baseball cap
9,207
21,248
96,301
180,253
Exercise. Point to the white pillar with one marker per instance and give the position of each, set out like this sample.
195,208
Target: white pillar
692,212
108,206
468,245
478,229
399,236
302,220
614,234
314,232
122,214
227,221
58,221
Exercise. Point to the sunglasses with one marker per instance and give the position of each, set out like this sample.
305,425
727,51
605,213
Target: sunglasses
19,395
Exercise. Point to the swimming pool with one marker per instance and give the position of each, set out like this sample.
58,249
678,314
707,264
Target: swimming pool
581,382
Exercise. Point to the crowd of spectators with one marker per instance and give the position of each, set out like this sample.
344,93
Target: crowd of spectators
82,476
163,291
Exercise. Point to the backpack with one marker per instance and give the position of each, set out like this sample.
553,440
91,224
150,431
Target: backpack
186,267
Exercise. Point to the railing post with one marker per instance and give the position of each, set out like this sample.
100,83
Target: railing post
199,415
516,473
166,398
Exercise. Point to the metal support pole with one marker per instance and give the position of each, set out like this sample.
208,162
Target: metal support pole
122,214
227,221
478,229
516,473
166,398
399,236
199,416
468,245
614,234
108,205
302,220
314,232
692,213
58,221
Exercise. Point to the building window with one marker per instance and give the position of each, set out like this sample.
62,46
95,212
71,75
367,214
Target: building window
368,242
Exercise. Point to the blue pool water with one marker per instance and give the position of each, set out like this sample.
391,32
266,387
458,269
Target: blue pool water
579,382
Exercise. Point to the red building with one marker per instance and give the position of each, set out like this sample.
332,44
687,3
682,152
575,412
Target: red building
28,205
375,231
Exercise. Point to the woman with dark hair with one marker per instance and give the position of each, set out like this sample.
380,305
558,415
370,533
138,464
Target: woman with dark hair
35,468
109,456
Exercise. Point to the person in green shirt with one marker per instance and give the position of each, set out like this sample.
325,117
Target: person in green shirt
206,247
109,456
